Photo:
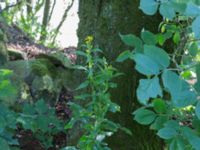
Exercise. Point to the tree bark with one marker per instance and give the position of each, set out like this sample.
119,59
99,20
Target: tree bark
29,7
105,19
45,19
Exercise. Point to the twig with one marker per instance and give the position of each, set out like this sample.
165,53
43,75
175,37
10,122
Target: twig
10,6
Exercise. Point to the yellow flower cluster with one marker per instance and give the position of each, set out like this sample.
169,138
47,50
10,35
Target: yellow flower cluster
89,39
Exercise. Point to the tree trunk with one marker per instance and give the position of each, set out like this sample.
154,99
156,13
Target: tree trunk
29,8
105,19
45,20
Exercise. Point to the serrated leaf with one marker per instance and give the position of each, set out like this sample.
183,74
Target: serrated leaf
158,55
167,133
148,37
145,65
144,116
148,88
149,7
132,40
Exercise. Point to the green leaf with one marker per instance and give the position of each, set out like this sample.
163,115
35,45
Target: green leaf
176,37
148,88
69,148
167,11
197,85
148,37
123,56
144,116
4,144
149,7
161,39
167,133
172,124
159,106
159,123
145,65
41,107
193,139
133,41
180,90
2,124
83,85
177,144
196,27
192,10
197,110
193,49
158,55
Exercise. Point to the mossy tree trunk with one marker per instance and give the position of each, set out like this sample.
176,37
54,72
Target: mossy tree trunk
105,19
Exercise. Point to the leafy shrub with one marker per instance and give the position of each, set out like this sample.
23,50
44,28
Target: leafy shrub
38,118
170,101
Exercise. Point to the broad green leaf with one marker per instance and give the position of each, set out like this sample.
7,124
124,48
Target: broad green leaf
197,110
192,10
148,37
193,139
159,123
29,109
167,133
123,56
180,91
172,124
4,144
177,144
193,49
158,55
159,105
196,27
148,88
149,7
41,107
133,41
179,6
145,65
167,11
144,116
